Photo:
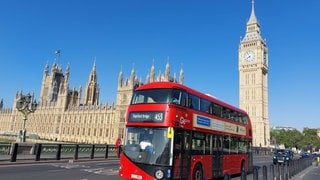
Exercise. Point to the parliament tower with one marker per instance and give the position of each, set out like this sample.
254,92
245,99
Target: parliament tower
253,80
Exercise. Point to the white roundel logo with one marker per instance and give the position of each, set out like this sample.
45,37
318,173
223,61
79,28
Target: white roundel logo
184,121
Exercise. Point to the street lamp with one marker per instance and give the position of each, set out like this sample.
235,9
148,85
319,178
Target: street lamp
25,106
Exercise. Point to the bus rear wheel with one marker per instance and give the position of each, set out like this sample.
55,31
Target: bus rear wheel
198,173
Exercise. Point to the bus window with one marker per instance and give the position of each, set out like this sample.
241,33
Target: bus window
205,105
201,143
224,112
194,102
216,109
237,117
176,97
151,96
243,146
234,145
138,99
184,98
217,143
244,120
226,145
197,146
234,115
208,144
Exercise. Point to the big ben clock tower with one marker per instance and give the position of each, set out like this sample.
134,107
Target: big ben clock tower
253,80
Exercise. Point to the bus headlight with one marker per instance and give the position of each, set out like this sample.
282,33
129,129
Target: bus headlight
159,174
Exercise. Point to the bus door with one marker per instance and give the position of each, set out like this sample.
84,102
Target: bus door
182,154
217,156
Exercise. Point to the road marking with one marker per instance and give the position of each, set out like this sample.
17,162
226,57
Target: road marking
92,170
103,170
110,172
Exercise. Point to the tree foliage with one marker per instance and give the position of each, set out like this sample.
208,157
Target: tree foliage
307,140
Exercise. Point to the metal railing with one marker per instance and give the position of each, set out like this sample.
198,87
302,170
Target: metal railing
14,152
278,171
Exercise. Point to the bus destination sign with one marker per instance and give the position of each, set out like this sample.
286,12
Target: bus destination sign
146,116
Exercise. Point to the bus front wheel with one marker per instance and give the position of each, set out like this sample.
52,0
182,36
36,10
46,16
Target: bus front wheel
198,173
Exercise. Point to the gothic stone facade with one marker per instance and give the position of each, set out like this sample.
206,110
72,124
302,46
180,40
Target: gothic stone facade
62,116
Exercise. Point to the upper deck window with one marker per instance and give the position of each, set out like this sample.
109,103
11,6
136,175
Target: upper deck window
151,96
156,96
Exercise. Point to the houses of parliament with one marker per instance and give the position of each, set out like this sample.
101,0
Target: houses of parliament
63,115
75,115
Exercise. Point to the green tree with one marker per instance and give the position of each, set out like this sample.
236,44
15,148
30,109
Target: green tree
311,139
307,140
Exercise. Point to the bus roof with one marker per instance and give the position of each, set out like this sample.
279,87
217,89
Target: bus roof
172,85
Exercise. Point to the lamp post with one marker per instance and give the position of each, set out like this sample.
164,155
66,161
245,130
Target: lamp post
25,105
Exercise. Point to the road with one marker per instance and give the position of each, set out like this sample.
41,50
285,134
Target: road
90,170
103,170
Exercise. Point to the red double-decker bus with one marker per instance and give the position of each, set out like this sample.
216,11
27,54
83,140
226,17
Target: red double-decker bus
175,132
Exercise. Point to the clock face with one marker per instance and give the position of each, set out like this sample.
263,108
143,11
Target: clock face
248,56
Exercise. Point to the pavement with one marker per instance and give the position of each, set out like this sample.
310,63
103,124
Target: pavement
310,173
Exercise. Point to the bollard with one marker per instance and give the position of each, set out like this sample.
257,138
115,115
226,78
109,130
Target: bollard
227,177
38,152
243,175
76,152
278,171
255,174
58,155
286,177
282,171
14,152
106,152
294,164
290,168
92,152
272,171
119,151
265,173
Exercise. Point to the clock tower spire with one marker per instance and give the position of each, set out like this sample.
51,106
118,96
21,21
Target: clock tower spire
253,80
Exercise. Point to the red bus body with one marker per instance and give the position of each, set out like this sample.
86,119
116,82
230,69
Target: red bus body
175,132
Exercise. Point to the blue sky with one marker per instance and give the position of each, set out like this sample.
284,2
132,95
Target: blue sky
202,37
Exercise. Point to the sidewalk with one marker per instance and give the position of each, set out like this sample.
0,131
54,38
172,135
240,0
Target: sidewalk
305,172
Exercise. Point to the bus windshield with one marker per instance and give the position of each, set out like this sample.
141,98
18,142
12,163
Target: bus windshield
148,145
157,96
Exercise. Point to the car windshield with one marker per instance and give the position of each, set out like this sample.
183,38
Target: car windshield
148,145
152,96
283,152
279,151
